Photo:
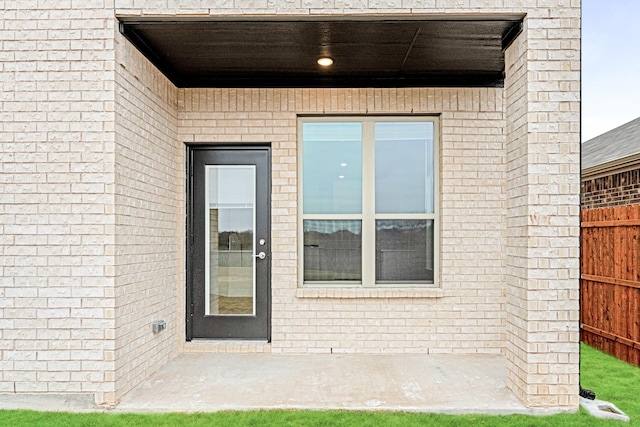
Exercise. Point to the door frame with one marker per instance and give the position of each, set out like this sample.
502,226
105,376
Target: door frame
191,149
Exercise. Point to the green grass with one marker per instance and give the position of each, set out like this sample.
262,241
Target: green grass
611,379
288,418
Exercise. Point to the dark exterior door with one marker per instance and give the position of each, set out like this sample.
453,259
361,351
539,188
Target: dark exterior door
228,253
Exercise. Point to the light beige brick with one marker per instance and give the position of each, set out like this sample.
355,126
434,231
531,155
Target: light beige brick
92,145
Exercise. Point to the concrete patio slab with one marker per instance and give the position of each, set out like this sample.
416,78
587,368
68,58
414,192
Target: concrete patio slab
425,383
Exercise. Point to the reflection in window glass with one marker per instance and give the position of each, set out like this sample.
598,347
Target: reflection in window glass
332,250
332,168
229,266
404,167
404,251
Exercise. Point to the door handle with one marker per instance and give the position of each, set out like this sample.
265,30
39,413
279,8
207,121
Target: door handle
261,255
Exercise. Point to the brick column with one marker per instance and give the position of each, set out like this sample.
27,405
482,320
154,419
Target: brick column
543,169
57,191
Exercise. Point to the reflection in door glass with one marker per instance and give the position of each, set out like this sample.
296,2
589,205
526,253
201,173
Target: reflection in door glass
230,225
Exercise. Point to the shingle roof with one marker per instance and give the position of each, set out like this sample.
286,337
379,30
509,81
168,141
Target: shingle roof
618,143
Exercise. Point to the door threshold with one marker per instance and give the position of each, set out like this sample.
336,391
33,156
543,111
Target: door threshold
226,346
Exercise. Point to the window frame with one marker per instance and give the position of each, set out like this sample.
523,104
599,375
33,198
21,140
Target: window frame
368,216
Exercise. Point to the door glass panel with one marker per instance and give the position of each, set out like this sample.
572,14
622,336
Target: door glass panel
230,225
404,167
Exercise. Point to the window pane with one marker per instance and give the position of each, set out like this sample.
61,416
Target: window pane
404,167
332,251
332,168
404,251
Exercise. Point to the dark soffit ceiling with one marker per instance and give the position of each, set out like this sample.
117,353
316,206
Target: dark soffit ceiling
371,53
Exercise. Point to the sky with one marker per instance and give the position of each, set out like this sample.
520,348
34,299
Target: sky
610,65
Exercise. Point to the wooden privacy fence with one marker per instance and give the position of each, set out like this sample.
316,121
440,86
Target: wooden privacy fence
610,284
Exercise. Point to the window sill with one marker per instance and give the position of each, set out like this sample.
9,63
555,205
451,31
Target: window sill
370,293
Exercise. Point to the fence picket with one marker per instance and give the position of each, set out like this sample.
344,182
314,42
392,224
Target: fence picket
610,287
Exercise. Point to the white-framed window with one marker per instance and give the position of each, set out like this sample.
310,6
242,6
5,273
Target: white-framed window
368,201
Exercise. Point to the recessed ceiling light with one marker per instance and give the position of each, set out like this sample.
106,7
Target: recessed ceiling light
344,165
325,61
341,176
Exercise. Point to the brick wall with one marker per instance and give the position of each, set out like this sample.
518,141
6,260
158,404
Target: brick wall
56,190
466,314
542,92
149,214
517,200
91,148
618,189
